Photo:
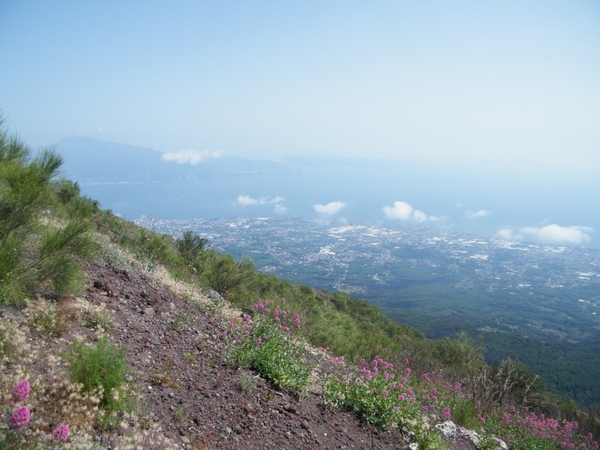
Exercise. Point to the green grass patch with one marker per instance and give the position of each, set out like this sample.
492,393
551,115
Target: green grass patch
101,367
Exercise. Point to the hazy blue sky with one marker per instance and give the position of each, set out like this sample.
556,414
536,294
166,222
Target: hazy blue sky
456,80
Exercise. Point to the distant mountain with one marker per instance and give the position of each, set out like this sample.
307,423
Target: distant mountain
90,160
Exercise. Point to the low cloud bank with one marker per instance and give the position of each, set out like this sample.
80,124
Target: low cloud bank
478,213
404,211
193,157
330,209
549,234
246,200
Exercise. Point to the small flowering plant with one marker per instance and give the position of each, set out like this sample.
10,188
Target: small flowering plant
385,393
268,345
12,434
61,434
20,393
19,419
378,392
525,429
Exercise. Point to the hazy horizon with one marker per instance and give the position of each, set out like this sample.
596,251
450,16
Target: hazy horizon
494,104
533,207
455,82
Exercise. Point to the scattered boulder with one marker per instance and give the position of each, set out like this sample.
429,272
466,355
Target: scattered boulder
451,431
214,295
11,313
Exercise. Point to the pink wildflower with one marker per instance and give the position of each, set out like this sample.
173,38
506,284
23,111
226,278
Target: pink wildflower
384,393
446,413
258,341
20,418
21,392
283,301
60,434
407,371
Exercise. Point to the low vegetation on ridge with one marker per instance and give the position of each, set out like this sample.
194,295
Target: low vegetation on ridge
386,373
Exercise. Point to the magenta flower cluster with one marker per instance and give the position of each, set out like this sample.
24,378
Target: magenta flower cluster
383,391
22,415
61,434
514,425
20,393
286,320
20,418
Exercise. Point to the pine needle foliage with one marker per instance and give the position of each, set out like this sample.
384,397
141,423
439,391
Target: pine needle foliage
42,235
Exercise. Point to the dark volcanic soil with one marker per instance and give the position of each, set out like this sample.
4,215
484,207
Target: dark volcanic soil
177,351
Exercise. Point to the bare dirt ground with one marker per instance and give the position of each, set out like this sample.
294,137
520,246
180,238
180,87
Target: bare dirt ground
187,396
176,350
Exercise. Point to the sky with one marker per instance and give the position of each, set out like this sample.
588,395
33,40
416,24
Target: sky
460,82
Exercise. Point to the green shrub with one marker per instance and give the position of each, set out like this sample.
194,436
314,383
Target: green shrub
44,225
190,247
103,367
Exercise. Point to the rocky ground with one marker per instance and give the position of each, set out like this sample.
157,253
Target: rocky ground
175,346
176,349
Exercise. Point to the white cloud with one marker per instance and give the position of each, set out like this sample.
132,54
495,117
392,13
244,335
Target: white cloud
330,208
246,200
280,209
478,213
400,210
419,216
403,211
549,234
555,234
193,157
508,234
